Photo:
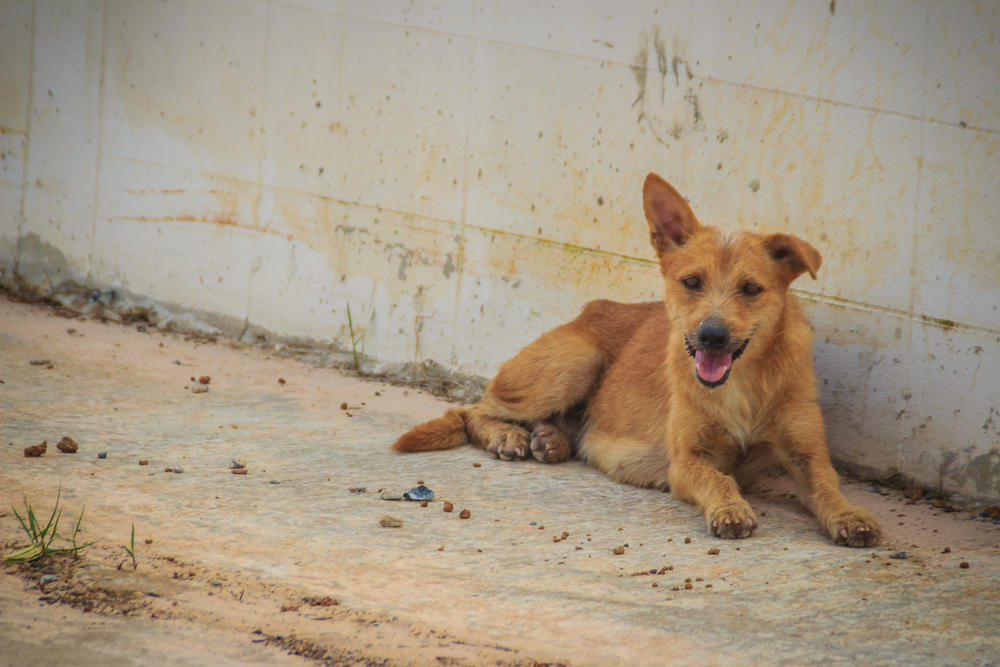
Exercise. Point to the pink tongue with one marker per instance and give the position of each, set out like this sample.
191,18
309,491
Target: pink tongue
712,366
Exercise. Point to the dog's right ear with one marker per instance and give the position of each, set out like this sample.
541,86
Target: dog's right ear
671,220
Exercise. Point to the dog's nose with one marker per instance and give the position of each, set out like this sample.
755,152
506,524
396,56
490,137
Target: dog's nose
713,335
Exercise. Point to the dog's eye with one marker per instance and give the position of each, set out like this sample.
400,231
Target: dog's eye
752,289
691,282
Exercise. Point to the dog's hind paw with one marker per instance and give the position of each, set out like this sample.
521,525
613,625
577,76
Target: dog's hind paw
549,444
509,444
854,528
731,522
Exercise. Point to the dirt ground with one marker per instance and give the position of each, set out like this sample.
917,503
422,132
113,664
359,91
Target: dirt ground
288,563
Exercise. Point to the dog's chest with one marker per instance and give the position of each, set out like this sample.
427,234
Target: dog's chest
740,414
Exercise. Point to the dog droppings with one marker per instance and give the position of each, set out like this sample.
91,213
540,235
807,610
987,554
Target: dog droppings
389,521
714,551
36,450
238,471
67,445
143,462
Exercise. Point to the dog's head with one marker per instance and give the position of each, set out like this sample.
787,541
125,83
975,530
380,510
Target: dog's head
724,292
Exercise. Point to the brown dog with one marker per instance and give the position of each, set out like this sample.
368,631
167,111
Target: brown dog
696,393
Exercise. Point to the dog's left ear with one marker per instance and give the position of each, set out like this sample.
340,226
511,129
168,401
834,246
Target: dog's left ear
793,254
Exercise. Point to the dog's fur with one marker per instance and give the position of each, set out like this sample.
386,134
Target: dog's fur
695,394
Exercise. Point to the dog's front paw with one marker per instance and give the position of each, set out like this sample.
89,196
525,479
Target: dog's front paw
549,444
854,528
733,521
509,443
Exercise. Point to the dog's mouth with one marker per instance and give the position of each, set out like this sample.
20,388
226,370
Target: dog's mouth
712,367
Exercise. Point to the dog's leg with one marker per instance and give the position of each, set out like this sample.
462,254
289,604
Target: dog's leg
696,477
804,454
545,379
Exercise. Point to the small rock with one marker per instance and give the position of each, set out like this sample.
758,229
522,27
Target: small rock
464,514
343,406
281,381
388,521
274,481
420,492
168,470
238,471
178,470
964,565
199,388
47,578
40,362
390,494
36,450
204,379
448,507
713,551
899,555
102,455
619,550
143,462
233,463
67,445
357,489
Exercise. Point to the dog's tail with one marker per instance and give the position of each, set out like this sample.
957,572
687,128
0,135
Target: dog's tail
443,433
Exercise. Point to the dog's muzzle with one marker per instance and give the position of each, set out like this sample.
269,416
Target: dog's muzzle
713,352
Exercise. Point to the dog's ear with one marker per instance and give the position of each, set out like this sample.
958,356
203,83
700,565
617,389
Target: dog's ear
671,220
793,254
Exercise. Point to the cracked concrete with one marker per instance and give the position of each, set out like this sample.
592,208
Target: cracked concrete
228,552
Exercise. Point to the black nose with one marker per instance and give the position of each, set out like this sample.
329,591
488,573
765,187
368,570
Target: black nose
713,335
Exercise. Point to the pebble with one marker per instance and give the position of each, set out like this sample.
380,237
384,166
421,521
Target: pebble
448,507
40,362
199,388
47,578
390,494
102,455
358,489
237,464
274,481
239,471
419,493
389,521
464,514
899,555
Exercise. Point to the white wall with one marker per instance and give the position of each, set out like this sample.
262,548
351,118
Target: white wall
469,171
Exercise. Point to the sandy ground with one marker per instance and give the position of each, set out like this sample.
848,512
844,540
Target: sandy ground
288,563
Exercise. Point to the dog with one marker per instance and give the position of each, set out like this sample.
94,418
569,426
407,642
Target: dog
697,394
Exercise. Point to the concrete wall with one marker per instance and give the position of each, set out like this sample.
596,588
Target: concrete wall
469,172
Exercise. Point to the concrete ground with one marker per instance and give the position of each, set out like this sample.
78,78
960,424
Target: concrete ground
289,564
